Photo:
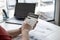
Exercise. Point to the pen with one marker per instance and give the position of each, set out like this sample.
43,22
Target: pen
13,23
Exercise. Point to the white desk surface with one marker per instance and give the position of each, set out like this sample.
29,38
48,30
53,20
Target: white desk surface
43,30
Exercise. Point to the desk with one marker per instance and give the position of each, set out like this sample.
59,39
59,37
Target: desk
43,30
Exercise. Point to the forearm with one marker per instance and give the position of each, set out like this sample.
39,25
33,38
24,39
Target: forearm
14,33
25,35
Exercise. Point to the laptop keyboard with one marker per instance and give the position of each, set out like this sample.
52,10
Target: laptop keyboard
14,21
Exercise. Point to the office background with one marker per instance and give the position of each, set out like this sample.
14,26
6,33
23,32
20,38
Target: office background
9,6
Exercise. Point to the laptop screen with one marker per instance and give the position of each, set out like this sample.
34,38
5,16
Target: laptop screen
22,10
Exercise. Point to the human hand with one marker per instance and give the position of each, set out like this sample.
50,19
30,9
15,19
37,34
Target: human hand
28,27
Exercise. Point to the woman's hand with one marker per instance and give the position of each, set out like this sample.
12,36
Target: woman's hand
25,30
26,26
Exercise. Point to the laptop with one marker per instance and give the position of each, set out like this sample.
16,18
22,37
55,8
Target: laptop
21,12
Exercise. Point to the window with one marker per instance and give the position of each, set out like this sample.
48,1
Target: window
46,9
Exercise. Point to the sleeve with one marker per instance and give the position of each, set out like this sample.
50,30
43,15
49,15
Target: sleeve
4,34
